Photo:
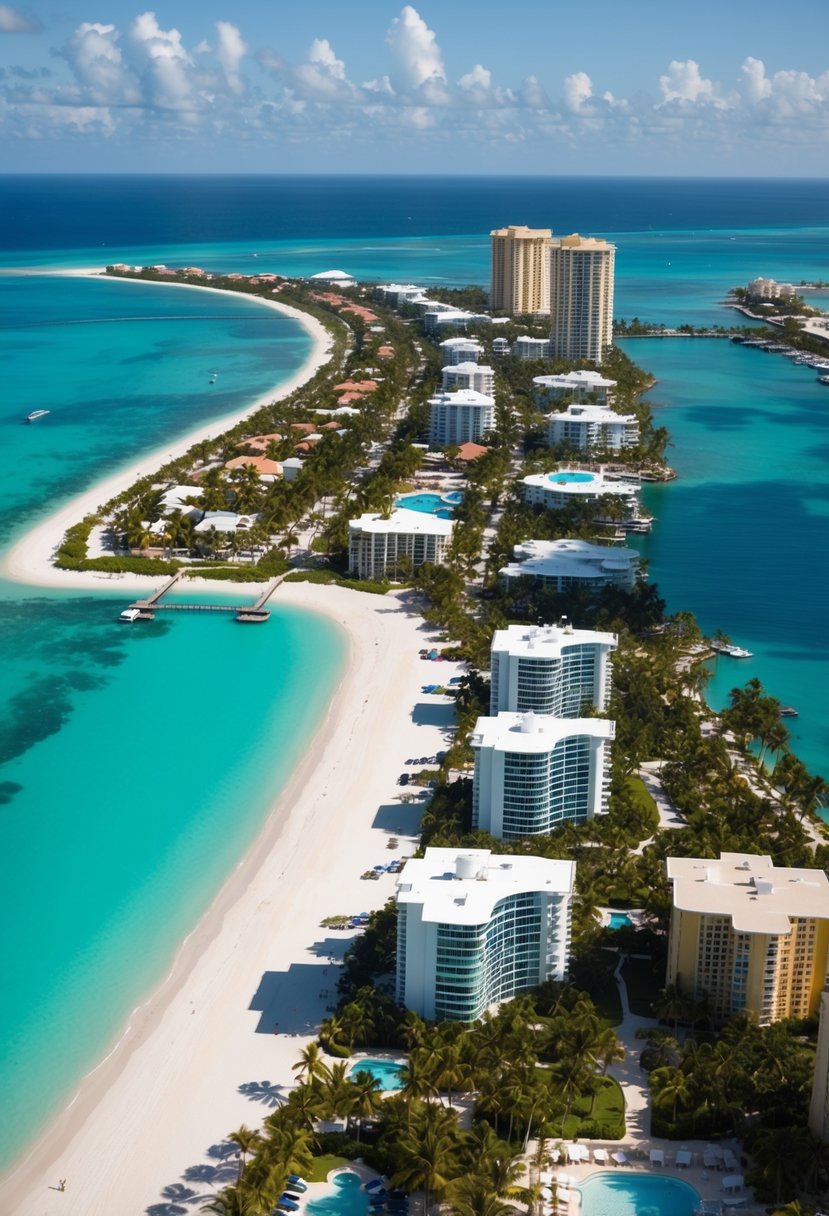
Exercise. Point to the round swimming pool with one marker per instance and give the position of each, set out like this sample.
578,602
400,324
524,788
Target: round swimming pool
572,478
623,1193
431,504
349,1199
386,1072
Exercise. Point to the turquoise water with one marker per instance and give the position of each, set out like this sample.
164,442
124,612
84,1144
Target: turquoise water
429,504
620,1193
571,478
137,763
385,1071
349,1198
740,537
618,920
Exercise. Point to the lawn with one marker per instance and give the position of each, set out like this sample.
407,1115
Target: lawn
323,1166
599,1119
637,788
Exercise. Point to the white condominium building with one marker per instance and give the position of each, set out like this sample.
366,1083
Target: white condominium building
531,348
581,297
475,929
520,270
396,294
460,350
592,426
443,316
478,376
460,417
376,543
565,488
748,936
583,386
534,772
551,669
570,562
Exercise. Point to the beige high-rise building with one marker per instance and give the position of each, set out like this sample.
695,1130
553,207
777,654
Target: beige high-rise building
520,271
748,936
581,297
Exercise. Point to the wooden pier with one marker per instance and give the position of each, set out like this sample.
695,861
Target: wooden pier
246,614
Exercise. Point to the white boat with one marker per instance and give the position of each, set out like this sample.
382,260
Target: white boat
733,652
129,615
35,414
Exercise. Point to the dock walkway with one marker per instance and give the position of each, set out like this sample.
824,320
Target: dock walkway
254,613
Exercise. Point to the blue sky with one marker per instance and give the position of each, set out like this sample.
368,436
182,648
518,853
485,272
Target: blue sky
731,87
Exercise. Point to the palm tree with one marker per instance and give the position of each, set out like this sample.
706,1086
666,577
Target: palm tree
248,1141
428,1159
367,1092
416,1083
311,1064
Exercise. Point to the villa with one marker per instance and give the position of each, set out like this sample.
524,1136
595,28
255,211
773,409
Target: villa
378,543
571,562
550,669
475,928
534,772
747,935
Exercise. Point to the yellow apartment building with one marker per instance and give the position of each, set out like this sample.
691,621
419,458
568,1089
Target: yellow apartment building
748,935
520,270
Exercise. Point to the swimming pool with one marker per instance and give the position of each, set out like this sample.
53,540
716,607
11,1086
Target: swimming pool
620,1193
572,478
619,920
386,1072
349,1198
441,505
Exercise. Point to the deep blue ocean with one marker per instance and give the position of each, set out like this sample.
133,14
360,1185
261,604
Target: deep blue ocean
137,765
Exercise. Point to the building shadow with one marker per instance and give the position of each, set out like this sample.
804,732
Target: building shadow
435,713
290,1002
400,818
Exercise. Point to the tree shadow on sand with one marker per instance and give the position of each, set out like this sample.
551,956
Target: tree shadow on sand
266,1092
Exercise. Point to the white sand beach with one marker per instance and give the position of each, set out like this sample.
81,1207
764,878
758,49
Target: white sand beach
202,1055
29,560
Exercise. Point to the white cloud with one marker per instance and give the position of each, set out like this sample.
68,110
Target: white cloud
230,52
96,60
755,82
478,78
12,21
683,82
416,50
578,89
164,64
323,78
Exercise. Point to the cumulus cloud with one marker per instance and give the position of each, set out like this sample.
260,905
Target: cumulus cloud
99,67
415,50
163,63
230,51
12,21
323,76
578,89
684,82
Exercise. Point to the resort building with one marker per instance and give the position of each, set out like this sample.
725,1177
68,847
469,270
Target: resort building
583,386
531,348
396,294
747,935
336,278
565,488
460,417
475,929
819,1106
581,297
443,316
477,376
500,348
520,270
564,564
550,669
377,544
534,772
770,289
590,427
460,350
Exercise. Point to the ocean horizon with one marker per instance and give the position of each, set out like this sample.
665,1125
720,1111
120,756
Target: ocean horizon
139,765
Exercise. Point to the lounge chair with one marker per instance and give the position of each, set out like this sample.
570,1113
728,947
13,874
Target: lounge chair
620,1157
683,1158
657,1156
600,1156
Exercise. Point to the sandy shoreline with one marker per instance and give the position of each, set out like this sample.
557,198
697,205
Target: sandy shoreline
146,1118
29,559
